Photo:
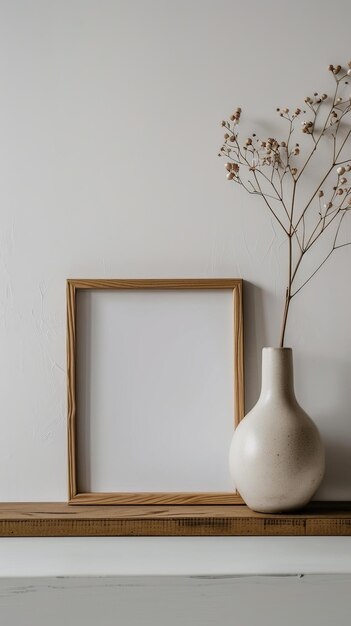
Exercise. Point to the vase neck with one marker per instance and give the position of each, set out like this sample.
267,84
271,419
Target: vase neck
277,373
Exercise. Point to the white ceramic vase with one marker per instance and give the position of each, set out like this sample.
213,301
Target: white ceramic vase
277,457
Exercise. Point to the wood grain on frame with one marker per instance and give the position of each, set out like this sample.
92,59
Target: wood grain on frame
71,387
238,387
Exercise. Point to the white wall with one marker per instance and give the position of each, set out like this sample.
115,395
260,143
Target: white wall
109,132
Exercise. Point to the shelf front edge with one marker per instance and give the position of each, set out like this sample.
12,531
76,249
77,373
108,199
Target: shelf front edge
62,520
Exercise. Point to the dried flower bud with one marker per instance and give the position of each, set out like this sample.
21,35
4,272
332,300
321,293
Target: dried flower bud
339,100
324,96
340,192
337,69
232,138
294,171
230,176
228,166
296,151
307,127
341,170
320,194
226,136
343,181
330,68
297,111
286,110
283,144
348,168
224,123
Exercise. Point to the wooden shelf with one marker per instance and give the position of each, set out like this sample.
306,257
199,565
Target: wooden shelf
63,520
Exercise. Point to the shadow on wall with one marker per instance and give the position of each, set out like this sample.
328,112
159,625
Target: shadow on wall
255,338
337,481
331,377
328,392
84,387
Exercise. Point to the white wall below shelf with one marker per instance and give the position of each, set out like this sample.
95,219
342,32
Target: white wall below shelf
173,556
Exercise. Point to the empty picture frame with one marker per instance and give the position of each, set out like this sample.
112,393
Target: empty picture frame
155,389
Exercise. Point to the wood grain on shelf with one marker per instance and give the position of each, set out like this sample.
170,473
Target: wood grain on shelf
59,520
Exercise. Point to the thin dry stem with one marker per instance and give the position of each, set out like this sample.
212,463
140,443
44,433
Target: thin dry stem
275,169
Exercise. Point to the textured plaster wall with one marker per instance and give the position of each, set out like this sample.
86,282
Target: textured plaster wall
109,133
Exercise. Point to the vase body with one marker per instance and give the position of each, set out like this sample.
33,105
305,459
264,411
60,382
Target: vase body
277,457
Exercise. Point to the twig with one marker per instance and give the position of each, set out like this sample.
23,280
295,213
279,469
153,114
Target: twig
273,175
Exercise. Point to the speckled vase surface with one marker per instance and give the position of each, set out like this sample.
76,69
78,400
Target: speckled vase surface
277,457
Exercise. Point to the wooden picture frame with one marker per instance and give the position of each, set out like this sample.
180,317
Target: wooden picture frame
74,286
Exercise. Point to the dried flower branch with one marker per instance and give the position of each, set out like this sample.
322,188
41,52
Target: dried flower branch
274,169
